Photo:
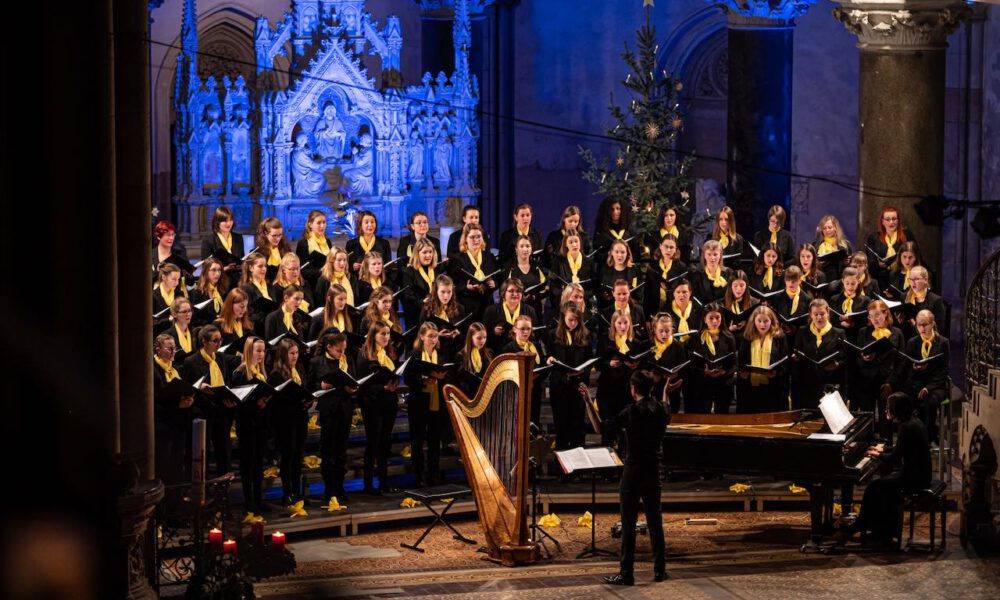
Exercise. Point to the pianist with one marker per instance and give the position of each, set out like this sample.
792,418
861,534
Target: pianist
904,466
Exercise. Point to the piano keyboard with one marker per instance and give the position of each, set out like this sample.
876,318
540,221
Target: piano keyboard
864,462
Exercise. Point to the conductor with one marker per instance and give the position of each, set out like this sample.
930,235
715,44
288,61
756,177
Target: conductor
644,423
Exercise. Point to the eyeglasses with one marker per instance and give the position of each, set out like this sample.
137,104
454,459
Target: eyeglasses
185,311
214,341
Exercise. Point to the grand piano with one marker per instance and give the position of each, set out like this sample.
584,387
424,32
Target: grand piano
777,445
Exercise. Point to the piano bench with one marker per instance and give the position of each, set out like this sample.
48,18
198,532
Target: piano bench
930,500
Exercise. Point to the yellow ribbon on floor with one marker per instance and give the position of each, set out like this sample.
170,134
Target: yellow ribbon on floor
356,418
334,505
739,488
297,510
447,500
312,461
313,423
271,472
252,518
587,520
407,451
408,503
549,520
796,489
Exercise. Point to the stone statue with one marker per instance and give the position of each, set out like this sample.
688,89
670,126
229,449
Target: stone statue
415,172
241,147
330,134
361,173
442,161
309,179
211,161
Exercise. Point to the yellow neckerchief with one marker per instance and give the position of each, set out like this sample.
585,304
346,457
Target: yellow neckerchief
819,333
238,328
216,297
304,305
574,265
760,356
848,303
339,322
296,377
366,246
342,361
672,231
774,234
906,279
227,242
289,322
168,369
794,298
511,316
477,264
627,308
529,347
525,232
735,307
443,314
723,240
862,279
925,345
427,276
881,332
827,246
913,297
477,359
318,244
569,338
375,282
621,341
257,373
769,277
665,269
274,258
183,338
214,372
387,318
431,384
890,241
706,338
660,347
168,297
384,360
682,317
618,235
261,287
344,281
717,280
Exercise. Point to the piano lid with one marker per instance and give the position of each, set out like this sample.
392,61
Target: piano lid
789,424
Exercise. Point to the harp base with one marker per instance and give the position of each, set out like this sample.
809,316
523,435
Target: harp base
512,556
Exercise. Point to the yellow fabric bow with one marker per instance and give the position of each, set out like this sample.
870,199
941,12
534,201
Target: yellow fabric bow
271,472
313,423
739,488
795,489
587,520
549,520
297,510
252,518
312,461
334,505
447,500
408,503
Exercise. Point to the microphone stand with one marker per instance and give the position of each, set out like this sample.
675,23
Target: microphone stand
538,533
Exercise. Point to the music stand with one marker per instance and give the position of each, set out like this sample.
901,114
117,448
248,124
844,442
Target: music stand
570,464
427,496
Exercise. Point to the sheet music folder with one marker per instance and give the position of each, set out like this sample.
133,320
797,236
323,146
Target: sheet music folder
587,459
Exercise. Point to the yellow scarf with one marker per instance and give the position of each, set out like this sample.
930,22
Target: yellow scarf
296,377
289,322
257,373
477,359
723,240
477,263
795,300
890,241
848,303
443,314
617,235
318,244
274,259
574,265
261,287
375,282
627,308
344,281
238,328
168,297
387,318
660,347
735,307
427,276
819,333
342,361
216,297
621,341
384,360
717,280
672,231
881,332
664,268
365,245
774,235
304,305
682,317
183,338
431,384
760,356
925,345
168,369
511,316
529,347
706,338
913,298
215,378
338,322
828,245
769,277
227,242
569,338
525,232
906,279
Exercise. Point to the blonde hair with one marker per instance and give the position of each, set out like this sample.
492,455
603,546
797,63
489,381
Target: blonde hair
364,273
328,269
841,241
621,314
750,330
468,228
628,253
415,252
286,261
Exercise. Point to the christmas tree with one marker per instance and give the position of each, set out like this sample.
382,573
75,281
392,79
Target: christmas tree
648,173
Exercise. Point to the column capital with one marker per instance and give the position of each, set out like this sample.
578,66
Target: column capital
762,14
901,24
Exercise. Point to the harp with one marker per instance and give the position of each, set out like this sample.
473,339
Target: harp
491,430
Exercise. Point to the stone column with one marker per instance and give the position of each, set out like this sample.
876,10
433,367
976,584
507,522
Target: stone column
901,108
759,118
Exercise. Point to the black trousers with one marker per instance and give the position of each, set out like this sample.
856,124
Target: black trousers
222,446
641,483
291,427
335,431
426,426
379,414
567,412
171,451
251,431
880,506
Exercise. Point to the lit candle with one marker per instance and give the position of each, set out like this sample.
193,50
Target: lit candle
258,531
215,537
278,541
229,547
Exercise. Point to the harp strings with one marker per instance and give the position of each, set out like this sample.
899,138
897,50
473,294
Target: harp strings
496,428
